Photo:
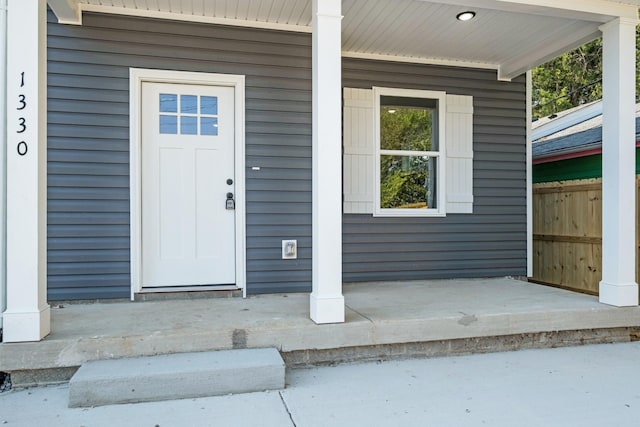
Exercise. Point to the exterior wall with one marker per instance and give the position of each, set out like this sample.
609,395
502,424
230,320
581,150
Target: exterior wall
88,125
491,241
88,185
570,169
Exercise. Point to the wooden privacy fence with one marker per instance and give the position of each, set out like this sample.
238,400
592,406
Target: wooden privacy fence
567,234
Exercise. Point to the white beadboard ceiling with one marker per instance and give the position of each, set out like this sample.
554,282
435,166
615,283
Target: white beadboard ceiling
510,36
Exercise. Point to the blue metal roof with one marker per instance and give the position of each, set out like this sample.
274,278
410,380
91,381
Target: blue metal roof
574,143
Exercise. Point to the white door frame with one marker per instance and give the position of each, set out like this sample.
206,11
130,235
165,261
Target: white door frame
136,77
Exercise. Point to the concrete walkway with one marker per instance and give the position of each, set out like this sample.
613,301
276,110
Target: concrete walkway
382,320
578,386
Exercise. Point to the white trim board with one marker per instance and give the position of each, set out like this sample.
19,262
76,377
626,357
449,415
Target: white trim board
143,13
529,175
136,77
422,60
3,161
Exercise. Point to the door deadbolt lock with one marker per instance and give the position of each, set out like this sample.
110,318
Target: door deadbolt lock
230,203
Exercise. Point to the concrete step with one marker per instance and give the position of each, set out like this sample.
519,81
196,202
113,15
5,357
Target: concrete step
176,376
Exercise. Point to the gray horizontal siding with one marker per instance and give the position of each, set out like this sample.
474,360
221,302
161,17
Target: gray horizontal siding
88,126
489,242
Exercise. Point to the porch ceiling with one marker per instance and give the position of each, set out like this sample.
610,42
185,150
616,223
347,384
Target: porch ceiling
510,36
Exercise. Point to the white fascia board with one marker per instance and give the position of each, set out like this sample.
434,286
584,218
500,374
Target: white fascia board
576,117
591,7
589,10
70,11
421,60
546,52
67,11
193,18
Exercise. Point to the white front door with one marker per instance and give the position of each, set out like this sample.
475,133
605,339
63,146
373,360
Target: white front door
188,221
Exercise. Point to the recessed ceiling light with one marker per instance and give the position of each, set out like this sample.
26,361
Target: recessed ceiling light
466,16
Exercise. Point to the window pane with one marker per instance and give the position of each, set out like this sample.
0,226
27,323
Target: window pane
168,103
209,126
188,125
407,125
408,182
209,105
188,104
168,124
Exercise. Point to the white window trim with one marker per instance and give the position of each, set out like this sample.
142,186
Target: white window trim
441,97
136,77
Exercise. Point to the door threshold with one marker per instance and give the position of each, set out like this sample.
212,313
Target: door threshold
187,293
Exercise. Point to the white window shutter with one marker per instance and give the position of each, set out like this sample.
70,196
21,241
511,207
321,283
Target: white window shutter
358,143
459,154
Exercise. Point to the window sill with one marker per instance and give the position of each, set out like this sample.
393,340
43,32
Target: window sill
403,213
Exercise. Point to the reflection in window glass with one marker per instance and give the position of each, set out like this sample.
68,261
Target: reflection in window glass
188,104
209,105
188,125
209,126
408,182
407,124
408,152
168,124
168,103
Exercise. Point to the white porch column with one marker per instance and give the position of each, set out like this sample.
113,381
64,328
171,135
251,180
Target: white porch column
3,144
326,301
618,286
27,317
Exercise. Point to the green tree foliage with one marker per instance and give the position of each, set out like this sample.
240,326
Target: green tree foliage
572,79
402,178
404,128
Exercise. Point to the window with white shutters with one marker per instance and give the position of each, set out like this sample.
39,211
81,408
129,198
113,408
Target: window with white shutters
407,152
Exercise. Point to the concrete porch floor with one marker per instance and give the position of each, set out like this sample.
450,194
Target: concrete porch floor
383,320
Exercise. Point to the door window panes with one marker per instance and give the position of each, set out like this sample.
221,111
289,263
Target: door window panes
189,104
188,114
209,105
209,126
168,124
168,103
188,125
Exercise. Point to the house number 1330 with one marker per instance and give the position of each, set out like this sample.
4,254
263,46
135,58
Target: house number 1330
22,122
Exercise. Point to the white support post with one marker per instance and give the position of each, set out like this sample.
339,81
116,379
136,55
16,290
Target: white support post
3,154
27,317
326,300
529,175
618,286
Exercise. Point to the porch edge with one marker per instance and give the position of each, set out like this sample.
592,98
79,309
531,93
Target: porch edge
458,347
297,359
